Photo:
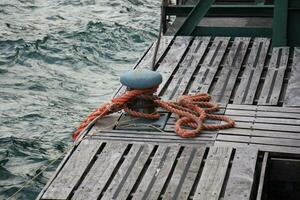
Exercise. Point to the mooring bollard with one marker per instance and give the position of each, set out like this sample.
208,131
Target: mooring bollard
141,79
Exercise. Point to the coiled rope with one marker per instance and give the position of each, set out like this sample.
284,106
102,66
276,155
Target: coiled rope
191,112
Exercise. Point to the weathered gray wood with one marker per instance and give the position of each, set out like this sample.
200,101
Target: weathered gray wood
104,124
186,69
292,97
258,119
260,133
73,170
230,71
229,144
277,149
94,182
137,132
146,62
179,174
172,59
160,141
209,68
262,114
276,141
129,182
213,174
162,174
154,167
234,138
240,181
60,166
246,91
155,137
260,140
242,107
275,75
128,172
263,108
187,183
261,147
270,127
262,176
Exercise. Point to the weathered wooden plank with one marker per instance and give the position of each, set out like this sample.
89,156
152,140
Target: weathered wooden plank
94,182
229,144
262,176
154,167
230,71
259,140
180,172
263,108
155,141
187,183
292,97
158,181
60,166
128,172
275,141
213,174
137,132
170,62
277,149
186,69
73,170
146,62
242,107
234,138
124,191
240,181
209,68
158,136
262,114
270,127
104,124
275,75
246,91
258,119
261,133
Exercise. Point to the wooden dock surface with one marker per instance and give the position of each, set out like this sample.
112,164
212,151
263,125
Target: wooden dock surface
257,86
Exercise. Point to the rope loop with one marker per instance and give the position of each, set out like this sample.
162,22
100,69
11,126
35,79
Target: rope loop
191,112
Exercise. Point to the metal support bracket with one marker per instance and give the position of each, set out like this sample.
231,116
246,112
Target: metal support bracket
195,16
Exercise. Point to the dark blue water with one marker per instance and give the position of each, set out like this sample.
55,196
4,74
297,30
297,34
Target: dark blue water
59,59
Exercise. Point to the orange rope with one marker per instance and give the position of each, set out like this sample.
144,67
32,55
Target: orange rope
191,111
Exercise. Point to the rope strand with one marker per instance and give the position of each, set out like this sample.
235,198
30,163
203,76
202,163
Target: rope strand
191,112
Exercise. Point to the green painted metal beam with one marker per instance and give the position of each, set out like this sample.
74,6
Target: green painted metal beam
280,23
293,32
225,10
195,16
233,32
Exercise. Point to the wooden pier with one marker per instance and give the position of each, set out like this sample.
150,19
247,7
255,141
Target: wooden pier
256,85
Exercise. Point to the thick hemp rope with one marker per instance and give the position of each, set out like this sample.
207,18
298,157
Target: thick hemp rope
191,112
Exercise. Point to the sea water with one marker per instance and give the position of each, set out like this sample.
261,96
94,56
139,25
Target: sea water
60,59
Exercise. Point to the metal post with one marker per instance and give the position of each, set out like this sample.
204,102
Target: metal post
280,19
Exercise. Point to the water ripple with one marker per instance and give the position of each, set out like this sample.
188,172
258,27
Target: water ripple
59,59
